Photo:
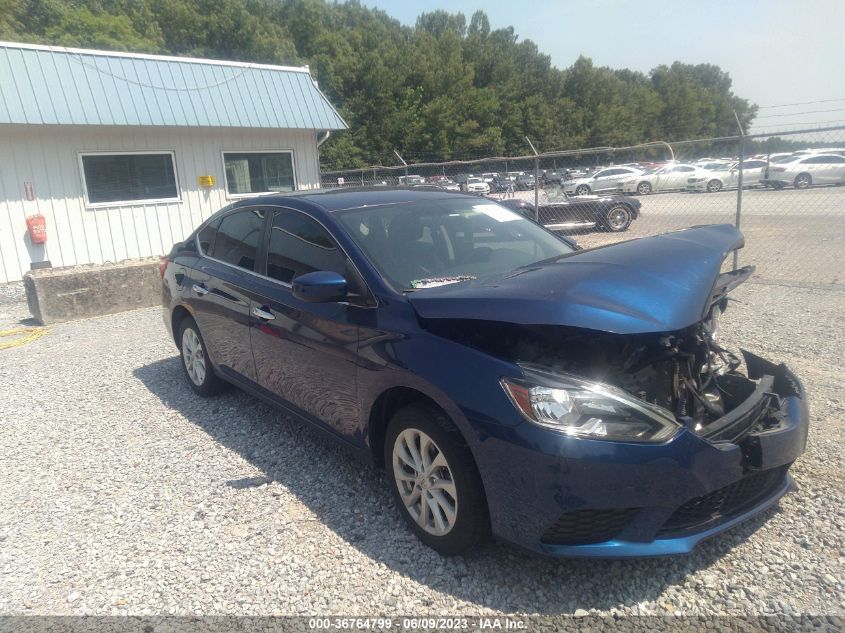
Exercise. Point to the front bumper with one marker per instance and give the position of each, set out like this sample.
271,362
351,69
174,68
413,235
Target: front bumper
572,497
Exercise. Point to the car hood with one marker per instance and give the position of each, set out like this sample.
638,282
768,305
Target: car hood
653,284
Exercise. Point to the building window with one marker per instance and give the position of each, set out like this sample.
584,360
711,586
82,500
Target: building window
113,178
251,173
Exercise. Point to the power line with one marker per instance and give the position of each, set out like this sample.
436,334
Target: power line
786,105
772,116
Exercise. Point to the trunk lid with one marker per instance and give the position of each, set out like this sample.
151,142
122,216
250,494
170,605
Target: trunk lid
653,284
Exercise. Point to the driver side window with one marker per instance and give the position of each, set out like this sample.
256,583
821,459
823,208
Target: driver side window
299,245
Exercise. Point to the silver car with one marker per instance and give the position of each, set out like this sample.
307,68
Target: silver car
807,170
728,177
603,180
672,177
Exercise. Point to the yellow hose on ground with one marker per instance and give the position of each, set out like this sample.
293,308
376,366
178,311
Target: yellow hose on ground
26,335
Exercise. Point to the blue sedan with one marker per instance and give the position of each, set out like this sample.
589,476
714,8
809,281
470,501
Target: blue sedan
573,402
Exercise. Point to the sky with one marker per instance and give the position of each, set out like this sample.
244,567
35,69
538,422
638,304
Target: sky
776,51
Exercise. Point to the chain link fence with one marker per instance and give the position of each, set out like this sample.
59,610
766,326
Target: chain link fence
791,205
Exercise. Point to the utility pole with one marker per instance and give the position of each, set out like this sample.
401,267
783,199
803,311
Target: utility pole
739,182
536,180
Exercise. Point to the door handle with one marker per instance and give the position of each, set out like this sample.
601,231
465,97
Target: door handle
200,289
263,313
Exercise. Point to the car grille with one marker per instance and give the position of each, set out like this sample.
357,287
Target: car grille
727,501
582,527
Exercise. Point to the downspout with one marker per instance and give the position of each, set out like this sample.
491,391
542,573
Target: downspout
325,138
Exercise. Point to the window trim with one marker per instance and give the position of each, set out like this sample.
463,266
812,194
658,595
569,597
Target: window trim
128,203
372,300
242,196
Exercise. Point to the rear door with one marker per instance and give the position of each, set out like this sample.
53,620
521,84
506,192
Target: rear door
677,179
218,288
752,171
305,353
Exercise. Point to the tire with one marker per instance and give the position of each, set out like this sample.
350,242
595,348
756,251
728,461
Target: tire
195,361
582,190
456,483
618,218
644,188
714,185
802,181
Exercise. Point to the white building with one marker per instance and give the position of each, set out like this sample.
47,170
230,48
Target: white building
124,154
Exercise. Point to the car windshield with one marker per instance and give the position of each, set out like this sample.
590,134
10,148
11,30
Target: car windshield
436,242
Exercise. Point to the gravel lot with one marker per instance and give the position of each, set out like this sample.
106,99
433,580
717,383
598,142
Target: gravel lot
123,493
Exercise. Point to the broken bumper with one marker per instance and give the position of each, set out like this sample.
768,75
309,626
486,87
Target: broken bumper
585,498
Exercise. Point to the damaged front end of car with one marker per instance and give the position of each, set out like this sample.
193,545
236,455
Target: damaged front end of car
658,434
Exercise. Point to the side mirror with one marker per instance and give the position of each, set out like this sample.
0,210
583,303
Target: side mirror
320,286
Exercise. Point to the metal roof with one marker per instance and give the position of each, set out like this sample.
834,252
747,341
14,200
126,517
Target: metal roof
65,86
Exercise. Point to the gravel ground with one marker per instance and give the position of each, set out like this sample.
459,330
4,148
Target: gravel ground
123,493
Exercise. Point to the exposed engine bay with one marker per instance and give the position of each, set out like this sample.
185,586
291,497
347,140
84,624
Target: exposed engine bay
686,372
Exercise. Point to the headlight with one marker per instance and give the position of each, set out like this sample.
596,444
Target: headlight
586,409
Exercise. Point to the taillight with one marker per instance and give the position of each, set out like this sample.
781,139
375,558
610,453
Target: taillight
162,266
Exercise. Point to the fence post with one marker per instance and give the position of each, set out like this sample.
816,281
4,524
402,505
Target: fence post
739,184
536,180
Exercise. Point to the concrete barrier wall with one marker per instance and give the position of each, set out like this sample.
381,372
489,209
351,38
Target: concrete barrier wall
75,292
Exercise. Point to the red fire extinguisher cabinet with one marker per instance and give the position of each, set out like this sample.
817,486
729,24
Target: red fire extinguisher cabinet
36,226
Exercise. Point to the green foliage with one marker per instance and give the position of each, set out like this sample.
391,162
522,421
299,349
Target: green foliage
446,88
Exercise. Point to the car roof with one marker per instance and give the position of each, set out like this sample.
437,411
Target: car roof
356,197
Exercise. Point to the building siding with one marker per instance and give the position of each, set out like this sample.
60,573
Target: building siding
47,156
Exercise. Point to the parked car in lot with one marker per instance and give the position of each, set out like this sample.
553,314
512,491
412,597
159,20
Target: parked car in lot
606,213
446,183
411,180
500,184
806,170
671,177
576,403
474,184
602,180
525,182
728,178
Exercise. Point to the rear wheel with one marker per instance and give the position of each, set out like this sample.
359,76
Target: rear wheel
714,185
644,188
435,482
582,190
195,361
618,219
802,181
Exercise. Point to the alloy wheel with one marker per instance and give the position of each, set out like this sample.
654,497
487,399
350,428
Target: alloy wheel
618,218
193,356
644,188
802,181
425,482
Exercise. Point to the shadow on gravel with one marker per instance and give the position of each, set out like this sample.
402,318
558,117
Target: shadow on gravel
353,501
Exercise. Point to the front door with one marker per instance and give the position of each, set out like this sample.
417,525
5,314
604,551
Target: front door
305,353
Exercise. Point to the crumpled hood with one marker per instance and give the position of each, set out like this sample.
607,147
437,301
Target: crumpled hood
653,284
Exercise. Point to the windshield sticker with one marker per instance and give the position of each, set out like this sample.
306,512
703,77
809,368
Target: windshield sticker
433,282
500,214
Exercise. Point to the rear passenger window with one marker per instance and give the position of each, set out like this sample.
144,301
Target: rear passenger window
206,237
299,245
238,237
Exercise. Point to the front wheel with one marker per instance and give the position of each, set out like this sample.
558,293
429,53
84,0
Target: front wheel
644,188
582,190
195,361
435,482
618,219
802,181
714,185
